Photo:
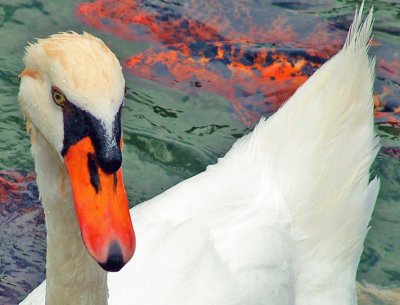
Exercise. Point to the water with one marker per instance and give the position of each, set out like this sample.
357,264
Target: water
174,126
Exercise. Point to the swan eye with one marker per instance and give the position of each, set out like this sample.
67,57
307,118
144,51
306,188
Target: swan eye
58,97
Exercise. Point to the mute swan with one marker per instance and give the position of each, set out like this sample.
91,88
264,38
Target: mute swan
281,219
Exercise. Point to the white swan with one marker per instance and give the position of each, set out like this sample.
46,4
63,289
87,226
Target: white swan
281,219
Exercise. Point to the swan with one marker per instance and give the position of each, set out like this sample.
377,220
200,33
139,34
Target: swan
281,219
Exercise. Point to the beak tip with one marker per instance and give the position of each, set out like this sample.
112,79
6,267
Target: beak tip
115,260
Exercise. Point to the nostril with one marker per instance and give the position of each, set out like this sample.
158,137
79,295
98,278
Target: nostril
110,160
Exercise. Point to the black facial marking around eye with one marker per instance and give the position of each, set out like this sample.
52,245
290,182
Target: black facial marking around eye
79,124
76,125
117,126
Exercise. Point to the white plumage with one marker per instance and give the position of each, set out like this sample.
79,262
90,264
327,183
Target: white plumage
281,219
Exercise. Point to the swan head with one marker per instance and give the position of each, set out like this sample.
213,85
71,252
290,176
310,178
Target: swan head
72,91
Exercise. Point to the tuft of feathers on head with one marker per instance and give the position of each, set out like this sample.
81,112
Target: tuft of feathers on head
83,67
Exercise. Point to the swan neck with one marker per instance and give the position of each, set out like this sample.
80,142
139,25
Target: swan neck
73,277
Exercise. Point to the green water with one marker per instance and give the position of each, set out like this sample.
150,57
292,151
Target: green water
171,135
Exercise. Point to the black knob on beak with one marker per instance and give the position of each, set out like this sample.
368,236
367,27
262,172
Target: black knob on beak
109,158
107,147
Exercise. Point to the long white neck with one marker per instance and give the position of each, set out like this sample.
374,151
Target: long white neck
73,277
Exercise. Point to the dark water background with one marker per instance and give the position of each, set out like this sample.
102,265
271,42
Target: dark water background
169,134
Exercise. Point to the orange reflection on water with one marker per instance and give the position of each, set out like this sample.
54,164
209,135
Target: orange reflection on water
256,80
217,47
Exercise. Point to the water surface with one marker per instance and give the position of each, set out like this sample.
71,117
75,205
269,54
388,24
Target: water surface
174,128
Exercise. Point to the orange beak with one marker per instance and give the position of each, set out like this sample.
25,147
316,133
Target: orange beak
101,207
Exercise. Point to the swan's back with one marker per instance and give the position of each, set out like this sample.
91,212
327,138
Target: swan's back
281,219
323,171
